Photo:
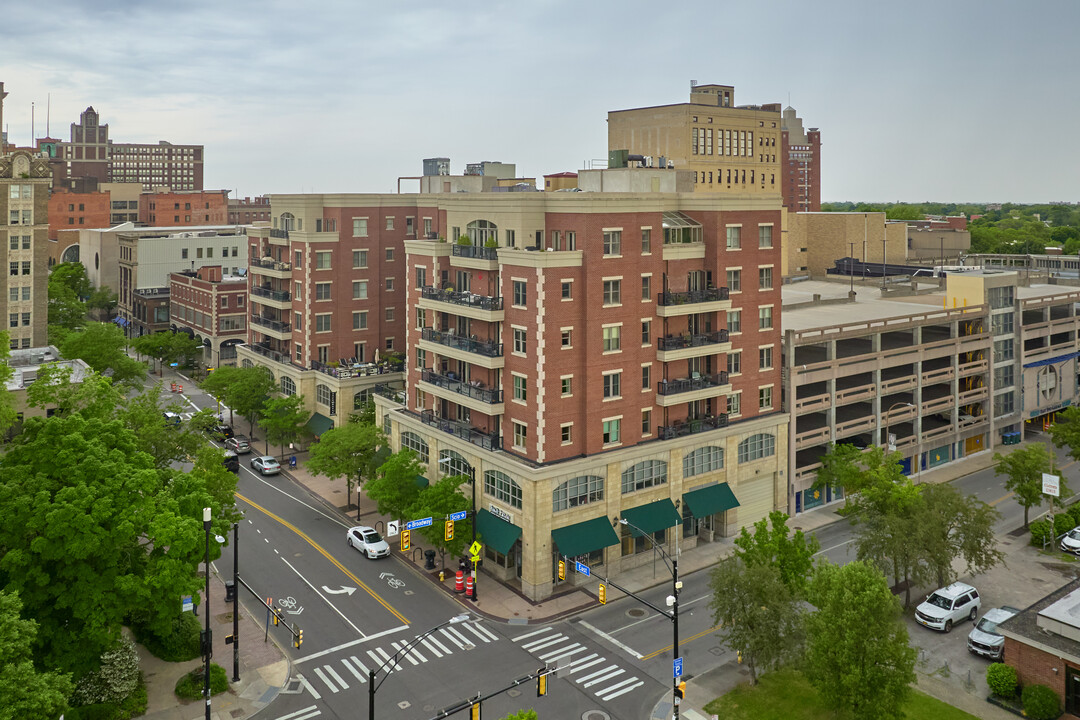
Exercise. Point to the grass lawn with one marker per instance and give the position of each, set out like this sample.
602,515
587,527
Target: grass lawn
786,695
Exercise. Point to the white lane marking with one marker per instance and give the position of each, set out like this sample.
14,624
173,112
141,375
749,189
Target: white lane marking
431,647
472,628
408,656
468,644
590,676
332,606
300,714
655,615
589,664
295,499
432,638
563,652
612,695
381,657
344,685
387,655
484,630
363,668
362,678
618,671
310,688
349,644
612,640
519,638
416,651
542,643
838,545
326,680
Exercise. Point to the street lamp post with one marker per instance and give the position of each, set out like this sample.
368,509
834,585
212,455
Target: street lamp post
672,564
206,615
472,481
236,603
887,413
391,661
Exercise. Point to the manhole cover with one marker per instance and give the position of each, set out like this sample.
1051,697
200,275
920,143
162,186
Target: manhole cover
595,715
635,612
404,704
513,693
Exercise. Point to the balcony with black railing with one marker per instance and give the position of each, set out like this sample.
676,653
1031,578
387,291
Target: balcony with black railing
476,252
269,264
275,325
463,430
461,342
265,292
490,396
692,297
680,342
465,299
691,384
266,350
683,428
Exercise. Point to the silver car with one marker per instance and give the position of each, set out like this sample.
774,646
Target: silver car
239,444
984,639
265,465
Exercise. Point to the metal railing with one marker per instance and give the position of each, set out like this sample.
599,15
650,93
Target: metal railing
277,325
682,385
475,251
395,394
460,342
463,430
484,395
279,295
678,342
692,427
265,351
269,264
689,297
283,234
467,299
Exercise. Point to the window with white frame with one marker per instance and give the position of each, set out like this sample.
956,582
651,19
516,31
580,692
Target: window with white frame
577,491
359,290
612,385
322,323
734,321
703,460
612,292
612,338
414,442
612,242
734,404
566,433
521,434
765,358
645,474
452,464
764,232
520,295
765,318
765,281
359,320
322,290
322,394
734,280
755,447
567,384
322,260
359,259
501,487
519,340
288,386
612,430
765,398
359,227
734,237
521,392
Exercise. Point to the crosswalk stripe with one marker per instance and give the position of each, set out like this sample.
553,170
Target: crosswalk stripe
356,674
381,657
544,642
460,642
398,647
387,657
606,694
446,650
519,638
472,628
477,627
573,669
468,641
431,647
310,688
326,680
302,714
562,652
416,652
363,668
590,676
617,671
344,685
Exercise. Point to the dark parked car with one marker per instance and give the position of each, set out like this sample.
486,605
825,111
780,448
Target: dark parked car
232,462
221,432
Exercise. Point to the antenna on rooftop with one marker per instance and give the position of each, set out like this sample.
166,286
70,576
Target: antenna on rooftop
48,113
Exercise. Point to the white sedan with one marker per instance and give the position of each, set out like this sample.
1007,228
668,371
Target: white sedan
1071,541
367,541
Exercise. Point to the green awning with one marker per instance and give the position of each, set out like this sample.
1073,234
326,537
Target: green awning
651,518
318,424
707,501
496,533
421,481
585,537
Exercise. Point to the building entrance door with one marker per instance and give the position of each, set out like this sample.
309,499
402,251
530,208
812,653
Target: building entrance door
1072,690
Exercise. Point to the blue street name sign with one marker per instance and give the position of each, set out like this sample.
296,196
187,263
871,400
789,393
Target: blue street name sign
414,524
582,568
454,517
676,667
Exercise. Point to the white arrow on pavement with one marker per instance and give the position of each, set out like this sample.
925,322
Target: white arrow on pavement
343,589
383,576
297,611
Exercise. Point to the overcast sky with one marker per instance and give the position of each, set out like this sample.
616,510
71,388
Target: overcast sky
945,100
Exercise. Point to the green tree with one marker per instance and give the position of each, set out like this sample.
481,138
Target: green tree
243,390
1024,468
840,468
8,414
283,420
757,613
348,452
25,693
394,487
103,300
950,526
66,312
857,651
103,347
791,553
439,501
167,348
71,275
1065,432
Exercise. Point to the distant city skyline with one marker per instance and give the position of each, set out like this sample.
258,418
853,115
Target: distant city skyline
948,102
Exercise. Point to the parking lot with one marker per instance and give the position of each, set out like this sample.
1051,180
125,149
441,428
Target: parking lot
1026,576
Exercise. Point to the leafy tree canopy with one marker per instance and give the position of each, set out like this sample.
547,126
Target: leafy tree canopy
394,488
283,419
243,390
438,501
1024,468
103,347
791,554
25,693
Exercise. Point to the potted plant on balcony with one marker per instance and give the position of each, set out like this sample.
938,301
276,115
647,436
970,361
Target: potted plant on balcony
491,243
464,240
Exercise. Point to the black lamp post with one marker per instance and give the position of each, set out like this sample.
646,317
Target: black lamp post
672,601
236,603
472,481
206,615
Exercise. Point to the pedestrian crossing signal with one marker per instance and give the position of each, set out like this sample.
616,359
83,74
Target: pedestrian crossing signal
680,690
603,594
541,683
299,638
449,534
474,711
405,540
562,569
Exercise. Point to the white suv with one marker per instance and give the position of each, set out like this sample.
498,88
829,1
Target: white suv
949,605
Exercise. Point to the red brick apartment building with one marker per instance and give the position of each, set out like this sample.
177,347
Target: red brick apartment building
212,307
184,209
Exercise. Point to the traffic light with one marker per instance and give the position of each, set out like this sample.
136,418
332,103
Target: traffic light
299,640
405,540
449,534
562,569
603,594
229,639
680,690
474,711
541,683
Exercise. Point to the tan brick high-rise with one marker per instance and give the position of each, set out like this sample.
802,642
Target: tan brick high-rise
25,179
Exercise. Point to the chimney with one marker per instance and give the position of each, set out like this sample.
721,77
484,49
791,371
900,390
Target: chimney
210,273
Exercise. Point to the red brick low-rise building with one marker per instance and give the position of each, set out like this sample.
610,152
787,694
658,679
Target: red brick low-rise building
212,307
181,209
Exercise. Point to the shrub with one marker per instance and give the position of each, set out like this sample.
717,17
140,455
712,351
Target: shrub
133,706
1074,513
180,643
117,677
1063,523
464,240
1040,532
190,686
1041,703
1002,680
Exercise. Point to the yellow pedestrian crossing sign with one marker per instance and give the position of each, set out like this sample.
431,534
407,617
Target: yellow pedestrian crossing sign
475,548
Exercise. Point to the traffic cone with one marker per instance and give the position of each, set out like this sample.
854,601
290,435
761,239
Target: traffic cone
179,388
469,587
459,582
172,387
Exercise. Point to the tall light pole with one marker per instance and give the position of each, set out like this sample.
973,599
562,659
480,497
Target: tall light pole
472,481
672,564
391,661
236,602
887,413
206,615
